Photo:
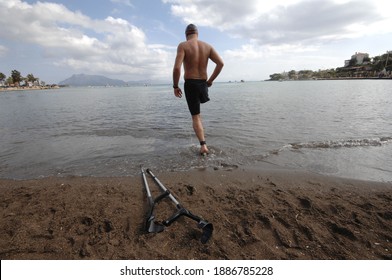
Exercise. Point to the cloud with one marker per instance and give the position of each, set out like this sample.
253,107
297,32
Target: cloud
108,46
3,51
254,51
219,14
315,21
123,2
280,22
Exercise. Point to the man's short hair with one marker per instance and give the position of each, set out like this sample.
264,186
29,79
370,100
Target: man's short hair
191,29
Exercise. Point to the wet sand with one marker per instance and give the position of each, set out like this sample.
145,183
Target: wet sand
257,214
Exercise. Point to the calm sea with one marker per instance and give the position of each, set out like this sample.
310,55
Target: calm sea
339,128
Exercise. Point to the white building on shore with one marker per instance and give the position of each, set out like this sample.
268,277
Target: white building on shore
359,57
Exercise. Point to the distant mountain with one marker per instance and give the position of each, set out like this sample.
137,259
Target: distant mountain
83,80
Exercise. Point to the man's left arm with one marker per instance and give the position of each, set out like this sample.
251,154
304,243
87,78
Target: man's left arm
214,56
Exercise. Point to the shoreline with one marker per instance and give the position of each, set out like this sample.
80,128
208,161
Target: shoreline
332,79
28,88
259,213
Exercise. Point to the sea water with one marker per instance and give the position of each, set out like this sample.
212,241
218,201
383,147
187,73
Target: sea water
338,128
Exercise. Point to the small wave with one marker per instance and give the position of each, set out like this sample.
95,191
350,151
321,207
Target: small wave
344,143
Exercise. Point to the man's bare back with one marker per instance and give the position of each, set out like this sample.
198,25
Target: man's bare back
196,55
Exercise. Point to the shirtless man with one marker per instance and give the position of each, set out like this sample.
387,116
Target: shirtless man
194,54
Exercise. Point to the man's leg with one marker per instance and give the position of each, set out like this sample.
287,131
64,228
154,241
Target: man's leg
199,130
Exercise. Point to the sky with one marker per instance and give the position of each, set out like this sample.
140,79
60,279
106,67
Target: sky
137,40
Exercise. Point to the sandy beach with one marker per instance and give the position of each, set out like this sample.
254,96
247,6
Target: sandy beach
257,214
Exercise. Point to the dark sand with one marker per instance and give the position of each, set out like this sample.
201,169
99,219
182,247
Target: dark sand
264,214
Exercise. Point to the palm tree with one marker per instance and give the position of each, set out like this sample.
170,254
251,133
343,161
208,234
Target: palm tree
16,77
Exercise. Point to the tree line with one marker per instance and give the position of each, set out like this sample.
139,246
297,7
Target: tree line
16,79
376,67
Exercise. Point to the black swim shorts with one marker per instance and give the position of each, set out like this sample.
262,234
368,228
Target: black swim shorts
196,92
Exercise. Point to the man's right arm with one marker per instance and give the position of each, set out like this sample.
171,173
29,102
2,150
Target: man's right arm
177,70
214,56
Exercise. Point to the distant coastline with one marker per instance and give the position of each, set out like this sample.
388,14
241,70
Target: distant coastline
355,78
29,88
359,67
331,79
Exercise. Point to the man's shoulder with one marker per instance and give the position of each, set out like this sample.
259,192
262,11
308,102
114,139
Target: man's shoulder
184,43
204,43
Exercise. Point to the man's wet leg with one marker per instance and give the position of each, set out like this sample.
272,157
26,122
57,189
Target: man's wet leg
199,130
